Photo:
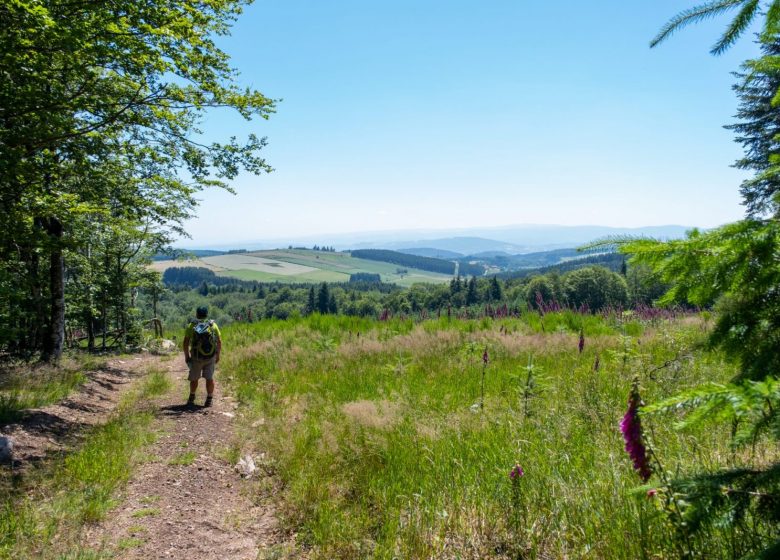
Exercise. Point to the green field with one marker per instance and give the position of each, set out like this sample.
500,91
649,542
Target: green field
382,447
302,265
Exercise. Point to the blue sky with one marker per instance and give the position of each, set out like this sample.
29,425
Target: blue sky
441,114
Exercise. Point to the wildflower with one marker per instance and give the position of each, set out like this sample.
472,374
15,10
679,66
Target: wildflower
631,427
652,493
581,345
485,358
516,472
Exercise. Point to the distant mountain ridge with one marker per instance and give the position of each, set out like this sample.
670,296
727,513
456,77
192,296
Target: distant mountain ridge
524,239
513,240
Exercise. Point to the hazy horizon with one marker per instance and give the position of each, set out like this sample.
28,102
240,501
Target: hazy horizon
408,115
352,239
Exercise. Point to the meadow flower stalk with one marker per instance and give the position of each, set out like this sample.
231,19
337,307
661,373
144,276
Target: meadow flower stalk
581,344
515,474
631,427
485,362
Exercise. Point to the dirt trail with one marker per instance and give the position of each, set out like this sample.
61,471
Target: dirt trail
54,428
187,500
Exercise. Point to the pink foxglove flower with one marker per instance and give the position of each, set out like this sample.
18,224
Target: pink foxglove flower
631,427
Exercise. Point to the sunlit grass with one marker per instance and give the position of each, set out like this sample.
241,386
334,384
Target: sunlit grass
41,514
373,429
31,386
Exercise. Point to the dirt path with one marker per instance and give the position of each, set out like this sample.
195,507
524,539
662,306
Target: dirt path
187,500
48,430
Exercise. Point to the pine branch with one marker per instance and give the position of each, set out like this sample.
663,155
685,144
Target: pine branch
737,27
694,15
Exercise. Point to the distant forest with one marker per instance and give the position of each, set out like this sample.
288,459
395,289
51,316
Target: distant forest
415,261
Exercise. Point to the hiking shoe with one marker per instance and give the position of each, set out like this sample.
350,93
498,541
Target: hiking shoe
208,402
191,401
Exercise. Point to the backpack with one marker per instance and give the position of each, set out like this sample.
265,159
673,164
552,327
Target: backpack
204,339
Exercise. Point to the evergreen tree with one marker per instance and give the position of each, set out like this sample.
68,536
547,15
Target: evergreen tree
496,294
332,304
757,131
735,266
472,295
311,302
323,299
204,289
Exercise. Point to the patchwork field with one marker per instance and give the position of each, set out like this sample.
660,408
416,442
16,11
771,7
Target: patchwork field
301,265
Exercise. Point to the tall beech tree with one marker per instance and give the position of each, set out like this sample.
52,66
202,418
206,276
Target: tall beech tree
100,105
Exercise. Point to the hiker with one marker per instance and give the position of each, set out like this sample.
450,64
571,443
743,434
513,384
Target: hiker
202,347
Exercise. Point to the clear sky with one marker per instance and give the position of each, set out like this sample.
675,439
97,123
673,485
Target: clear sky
452,113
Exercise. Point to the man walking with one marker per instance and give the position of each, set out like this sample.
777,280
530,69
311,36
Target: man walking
202,347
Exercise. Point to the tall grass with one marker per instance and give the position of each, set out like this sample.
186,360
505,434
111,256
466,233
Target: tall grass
31,386
373,430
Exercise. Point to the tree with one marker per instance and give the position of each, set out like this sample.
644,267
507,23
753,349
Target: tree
735,266
102,95
333,306
595,287
644,285
757,131
323,299
472,295
496,294
540,288
311,302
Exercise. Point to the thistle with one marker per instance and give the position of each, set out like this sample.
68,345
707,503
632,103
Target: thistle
581,344
631,427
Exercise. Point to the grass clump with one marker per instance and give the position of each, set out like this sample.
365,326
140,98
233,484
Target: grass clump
183,459
146,512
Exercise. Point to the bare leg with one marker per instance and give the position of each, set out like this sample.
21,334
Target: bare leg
193,386
209,386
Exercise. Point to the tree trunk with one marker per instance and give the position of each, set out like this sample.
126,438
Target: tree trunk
55,339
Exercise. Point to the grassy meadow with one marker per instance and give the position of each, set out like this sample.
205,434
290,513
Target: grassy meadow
303,265
385,446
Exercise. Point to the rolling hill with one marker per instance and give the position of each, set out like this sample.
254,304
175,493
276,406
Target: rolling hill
303,265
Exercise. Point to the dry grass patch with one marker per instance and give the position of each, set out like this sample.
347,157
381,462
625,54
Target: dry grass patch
381,415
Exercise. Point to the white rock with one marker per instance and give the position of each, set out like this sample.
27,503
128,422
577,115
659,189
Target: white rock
228,414
246,466
168,345
6,449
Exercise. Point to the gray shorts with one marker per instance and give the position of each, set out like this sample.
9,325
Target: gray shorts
202,368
